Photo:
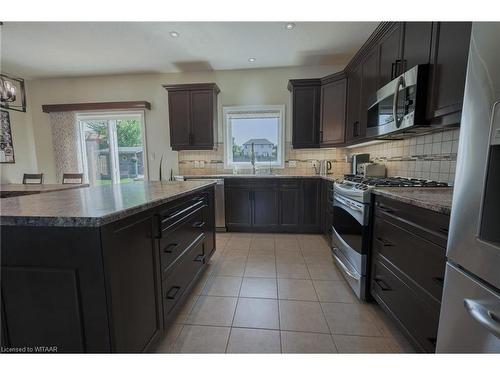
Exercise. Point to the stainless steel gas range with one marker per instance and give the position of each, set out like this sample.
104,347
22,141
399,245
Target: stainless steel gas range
351,233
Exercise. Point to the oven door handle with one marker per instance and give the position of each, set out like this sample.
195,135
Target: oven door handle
346,269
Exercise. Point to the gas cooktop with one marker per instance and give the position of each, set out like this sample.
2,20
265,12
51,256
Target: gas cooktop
394,181
358,187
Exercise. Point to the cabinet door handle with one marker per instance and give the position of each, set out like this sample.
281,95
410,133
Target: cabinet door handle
170,248
382,284
384,242
172,292
200,258
199,224
393,65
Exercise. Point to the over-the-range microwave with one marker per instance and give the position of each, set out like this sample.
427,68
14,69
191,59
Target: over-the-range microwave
399,108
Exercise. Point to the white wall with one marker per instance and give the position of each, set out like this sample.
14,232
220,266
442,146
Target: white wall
24,147
238,87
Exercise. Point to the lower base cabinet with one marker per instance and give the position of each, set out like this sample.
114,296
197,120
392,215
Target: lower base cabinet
408,265
273,205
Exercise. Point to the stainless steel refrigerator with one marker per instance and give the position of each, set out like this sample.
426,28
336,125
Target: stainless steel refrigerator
470,310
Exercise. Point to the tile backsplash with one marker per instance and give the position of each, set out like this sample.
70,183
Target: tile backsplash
432,156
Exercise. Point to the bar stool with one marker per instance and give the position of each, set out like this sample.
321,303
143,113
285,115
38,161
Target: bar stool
72,178
33,178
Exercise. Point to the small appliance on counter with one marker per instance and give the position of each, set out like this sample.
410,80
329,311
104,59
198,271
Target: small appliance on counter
325,166
371,170
357,160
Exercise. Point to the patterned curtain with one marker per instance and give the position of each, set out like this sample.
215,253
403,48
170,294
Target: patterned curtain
66,141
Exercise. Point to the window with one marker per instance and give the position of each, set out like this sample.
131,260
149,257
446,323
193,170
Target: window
257,131
113,147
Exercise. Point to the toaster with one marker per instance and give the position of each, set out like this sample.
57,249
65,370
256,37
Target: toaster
371,170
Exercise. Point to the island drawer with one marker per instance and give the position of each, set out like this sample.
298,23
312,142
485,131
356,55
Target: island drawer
171,217
420,260
184,272
174,241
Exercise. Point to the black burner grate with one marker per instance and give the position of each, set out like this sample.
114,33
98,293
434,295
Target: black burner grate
395,181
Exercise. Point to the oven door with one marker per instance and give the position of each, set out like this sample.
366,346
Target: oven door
350,222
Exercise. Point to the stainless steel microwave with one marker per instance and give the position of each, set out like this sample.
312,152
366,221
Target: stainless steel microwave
400,106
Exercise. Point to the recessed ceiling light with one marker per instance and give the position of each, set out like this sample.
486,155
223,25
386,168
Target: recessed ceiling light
252,59
174,34
290,26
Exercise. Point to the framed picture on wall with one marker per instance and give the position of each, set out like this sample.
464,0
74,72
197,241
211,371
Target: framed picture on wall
6,145
12,93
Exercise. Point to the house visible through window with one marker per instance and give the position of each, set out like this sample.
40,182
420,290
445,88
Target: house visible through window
254,133
113,147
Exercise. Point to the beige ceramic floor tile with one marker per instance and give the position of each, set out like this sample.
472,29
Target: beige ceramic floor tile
216,311
244,340
289,256
235,256
286,244
334,291
229,268
292,271
186,308
256,313
326,271
200,283
260,269
362,344
302,316
350,319
305,342
167,343
317,257
259,287
237,243
296,289
262,244
261,256
224,286
223,235
202,339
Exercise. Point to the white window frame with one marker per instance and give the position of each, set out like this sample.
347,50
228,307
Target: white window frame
253,111
113,115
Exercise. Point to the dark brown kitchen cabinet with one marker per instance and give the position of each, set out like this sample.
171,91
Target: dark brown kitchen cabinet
449,56
370,83
390,54
416,44
333,110
192,112
408,265
306,107
273,204
353,124
326,209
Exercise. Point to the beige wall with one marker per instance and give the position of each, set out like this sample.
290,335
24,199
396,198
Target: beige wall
24,147
238,87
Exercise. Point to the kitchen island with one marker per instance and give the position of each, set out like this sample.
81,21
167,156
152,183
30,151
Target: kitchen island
101,269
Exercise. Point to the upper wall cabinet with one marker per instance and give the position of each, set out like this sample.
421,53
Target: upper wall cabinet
333,110
416,44
449,56
192,110
390,54
306,102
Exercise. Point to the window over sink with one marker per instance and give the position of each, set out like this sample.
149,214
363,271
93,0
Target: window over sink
254,133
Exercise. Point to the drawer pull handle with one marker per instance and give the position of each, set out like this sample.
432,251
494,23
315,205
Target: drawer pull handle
385,209
438,280
382,285
199,224
444,230
172,292
170,247
384,242
200,258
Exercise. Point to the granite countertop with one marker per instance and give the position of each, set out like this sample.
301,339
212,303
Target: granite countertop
38,188
93,206
435,199
328,177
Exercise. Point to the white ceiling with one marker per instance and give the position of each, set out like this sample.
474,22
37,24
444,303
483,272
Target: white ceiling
51,49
